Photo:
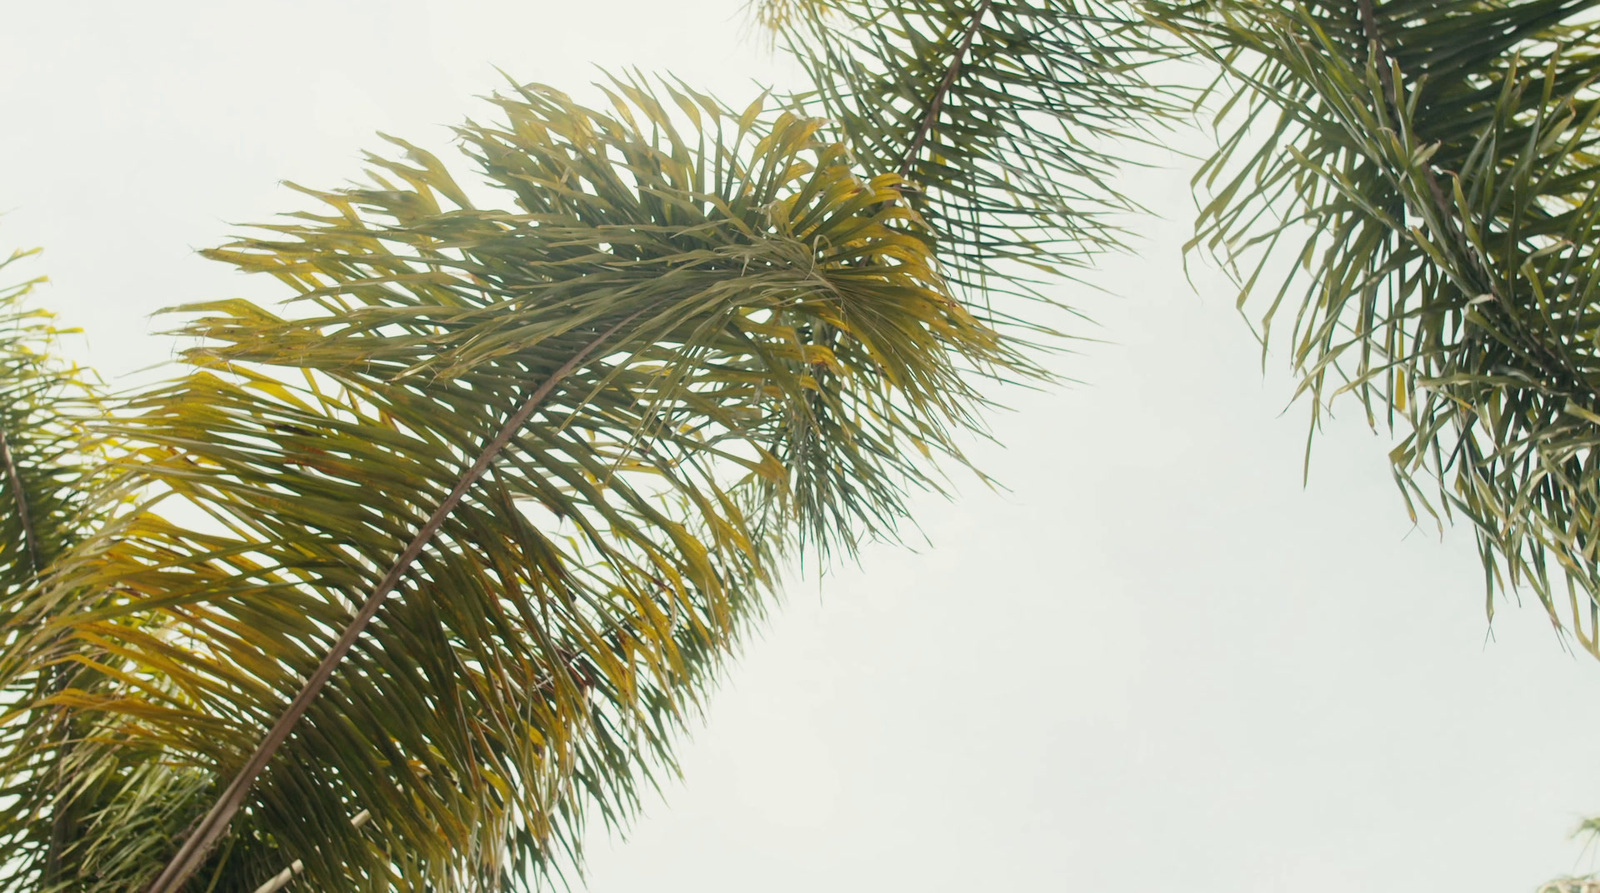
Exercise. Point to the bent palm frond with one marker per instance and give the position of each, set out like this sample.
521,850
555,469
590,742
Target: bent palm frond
676,358
1433,169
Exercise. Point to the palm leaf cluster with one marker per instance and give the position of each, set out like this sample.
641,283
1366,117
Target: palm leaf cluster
590,411
1432,170
44,403
687,343
47,455
402,582
1005,116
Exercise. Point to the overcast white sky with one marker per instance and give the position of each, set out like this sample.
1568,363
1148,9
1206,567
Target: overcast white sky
1157,662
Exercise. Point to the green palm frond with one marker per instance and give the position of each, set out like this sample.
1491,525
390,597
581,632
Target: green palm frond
1590,883
1433,169
1003,115
44,448
696,342
47,454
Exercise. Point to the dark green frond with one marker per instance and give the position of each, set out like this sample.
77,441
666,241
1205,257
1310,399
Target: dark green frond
725,344
1433,167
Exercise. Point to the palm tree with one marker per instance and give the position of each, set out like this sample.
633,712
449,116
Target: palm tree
484,505
1421,177
399,584
1417,183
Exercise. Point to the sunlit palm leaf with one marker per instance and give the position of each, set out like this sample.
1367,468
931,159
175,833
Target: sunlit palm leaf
1433,168
730,345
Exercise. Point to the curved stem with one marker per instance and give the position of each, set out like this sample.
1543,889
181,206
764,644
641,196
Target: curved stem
210,829
936,102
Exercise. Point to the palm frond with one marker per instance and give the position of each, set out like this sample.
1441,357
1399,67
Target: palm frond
697,341
1432,167
46,457
1004,115
43,447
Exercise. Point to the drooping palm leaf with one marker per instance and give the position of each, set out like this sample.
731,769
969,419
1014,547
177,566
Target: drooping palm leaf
44,449
46,453
1003,115
1432,167
674,360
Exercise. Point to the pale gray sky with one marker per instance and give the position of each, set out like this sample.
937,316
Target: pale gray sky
1156,662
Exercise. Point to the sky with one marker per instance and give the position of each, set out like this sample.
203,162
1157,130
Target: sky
1155,659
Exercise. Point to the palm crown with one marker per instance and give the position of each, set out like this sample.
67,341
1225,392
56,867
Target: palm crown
399,583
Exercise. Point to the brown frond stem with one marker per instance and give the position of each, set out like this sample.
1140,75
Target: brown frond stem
210,829
828,336
936,101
